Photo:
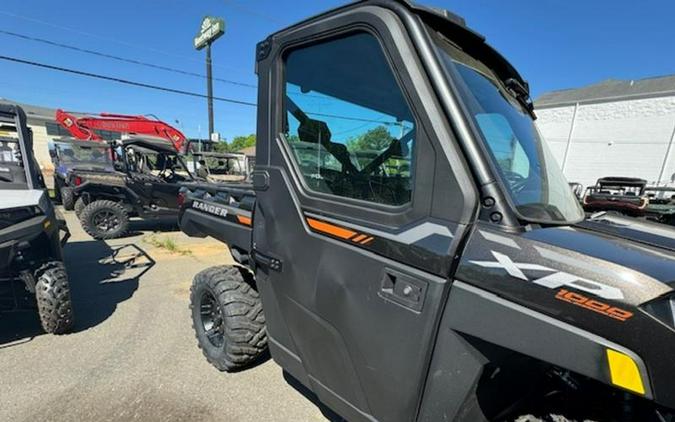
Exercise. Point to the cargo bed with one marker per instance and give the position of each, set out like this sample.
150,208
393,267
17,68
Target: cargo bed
223,211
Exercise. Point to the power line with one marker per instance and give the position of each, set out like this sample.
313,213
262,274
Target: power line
119,58
166,89
122,81
109,39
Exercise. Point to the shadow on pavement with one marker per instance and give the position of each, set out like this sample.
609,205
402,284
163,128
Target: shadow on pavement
309,395
138,226
100,277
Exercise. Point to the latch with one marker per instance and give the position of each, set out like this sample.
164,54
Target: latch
403,289
266,261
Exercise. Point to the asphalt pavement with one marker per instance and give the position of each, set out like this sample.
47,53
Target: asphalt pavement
133,355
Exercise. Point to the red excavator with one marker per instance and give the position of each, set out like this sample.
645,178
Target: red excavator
84,127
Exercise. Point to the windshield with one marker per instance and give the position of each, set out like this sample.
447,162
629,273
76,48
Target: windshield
528,170
84,156
12,171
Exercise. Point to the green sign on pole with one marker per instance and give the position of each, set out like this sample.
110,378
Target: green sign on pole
212,28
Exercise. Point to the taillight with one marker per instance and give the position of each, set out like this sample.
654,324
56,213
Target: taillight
181,199
77,180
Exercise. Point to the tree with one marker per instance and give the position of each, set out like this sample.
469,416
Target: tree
241,142
220,146
237,143
375,139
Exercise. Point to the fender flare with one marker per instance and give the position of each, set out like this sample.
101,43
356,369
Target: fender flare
486,316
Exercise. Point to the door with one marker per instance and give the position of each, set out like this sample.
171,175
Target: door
358,215
156,180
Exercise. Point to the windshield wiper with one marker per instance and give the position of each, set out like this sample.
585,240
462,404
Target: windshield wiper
522,94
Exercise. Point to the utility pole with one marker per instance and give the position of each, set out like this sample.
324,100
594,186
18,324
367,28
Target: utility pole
211,29
209,86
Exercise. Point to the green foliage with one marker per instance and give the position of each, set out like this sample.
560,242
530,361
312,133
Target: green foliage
221,147
241,142
375,139
237,143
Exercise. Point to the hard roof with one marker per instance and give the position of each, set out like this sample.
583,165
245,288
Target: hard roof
609,90
156,144
449,23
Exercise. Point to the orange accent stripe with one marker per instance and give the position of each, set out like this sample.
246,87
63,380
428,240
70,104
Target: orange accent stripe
359,238
367,241
244,220
330,229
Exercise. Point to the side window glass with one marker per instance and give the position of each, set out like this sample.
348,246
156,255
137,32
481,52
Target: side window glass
347,122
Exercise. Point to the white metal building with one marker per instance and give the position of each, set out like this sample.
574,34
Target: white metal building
614,128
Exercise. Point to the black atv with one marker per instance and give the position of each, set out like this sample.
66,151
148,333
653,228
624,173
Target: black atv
145,184
68,155
31,230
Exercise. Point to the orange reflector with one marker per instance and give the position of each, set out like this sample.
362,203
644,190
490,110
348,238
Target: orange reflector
244,220
330,229
359,238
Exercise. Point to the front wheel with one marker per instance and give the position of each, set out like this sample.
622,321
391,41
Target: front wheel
52,292
228,318
104,219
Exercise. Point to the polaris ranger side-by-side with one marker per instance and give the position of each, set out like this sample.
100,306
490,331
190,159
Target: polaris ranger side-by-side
451,276
30,229
219,167
633,197
69,155
145,184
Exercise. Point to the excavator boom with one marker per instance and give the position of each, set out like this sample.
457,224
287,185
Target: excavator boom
84,127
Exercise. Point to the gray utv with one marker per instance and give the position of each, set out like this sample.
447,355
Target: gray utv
409,250
32,232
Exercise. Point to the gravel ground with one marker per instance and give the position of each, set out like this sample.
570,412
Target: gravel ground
133,355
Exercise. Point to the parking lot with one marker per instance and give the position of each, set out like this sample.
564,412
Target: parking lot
133,355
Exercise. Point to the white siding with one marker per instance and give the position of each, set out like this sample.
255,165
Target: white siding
555,124
622,138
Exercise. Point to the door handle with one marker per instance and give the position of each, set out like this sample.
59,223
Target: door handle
403,289
266,261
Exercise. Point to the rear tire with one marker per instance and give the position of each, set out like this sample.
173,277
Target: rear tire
104,219
52,292
67,198
228,318
79,206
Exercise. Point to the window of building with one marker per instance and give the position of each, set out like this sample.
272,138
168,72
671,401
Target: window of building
348,124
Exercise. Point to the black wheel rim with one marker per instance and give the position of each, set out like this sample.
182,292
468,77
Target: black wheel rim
212,319
106,221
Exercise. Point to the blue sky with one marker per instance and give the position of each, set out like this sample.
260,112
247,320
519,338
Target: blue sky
555,44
